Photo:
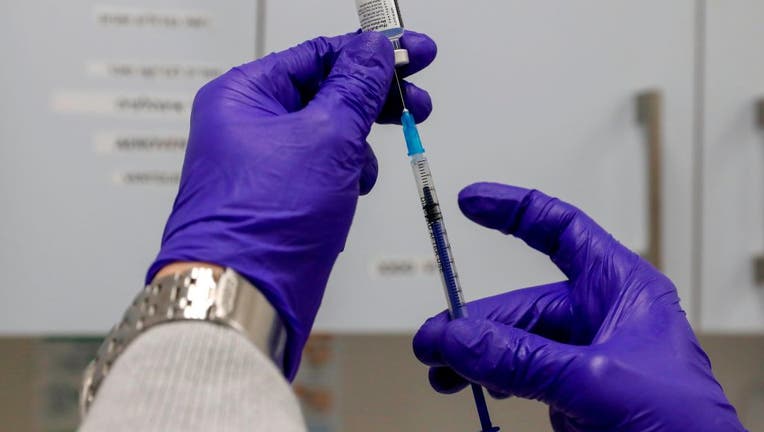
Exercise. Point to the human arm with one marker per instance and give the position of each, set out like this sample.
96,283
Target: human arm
194,376
276,161
609,349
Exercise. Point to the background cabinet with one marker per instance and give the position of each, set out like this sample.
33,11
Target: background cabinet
732,181
547,89
93,123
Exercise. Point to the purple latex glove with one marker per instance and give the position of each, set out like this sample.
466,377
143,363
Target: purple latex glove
276,160
610,349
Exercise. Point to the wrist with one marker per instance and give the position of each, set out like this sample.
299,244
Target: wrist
183,266
265,284
195,294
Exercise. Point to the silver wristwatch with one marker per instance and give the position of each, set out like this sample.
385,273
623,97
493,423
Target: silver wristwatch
196,294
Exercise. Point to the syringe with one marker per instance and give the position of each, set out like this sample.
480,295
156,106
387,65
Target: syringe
439,238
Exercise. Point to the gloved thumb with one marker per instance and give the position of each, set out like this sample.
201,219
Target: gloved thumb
507,360
355,90
551,226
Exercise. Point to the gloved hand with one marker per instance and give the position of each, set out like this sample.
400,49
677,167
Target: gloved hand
276,160
610,349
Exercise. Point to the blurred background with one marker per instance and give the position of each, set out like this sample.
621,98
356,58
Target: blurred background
647,114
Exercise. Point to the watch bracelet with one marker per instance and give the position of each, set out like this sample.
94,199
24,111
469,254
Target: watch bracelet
192,295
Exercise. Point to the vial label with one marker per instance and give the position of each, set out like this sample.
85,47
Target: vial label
379,15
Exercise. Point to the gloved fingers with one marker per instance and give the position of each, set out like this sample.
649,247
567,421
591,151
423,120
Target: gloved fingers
293,76
369,172
507,360
574,241
353,94
444,380
308,63
499,395
544,310
418,102
422,52
426,343
558,419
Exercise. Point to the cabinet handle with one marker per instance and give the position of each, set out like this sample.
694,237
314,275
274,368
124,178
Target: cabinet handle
650,117
758,261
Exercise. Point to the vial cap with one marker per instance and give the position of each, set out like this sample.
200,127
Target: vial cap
401,57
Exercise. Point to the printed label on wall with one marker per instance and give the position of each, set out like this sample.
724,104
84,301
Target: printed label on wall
110,16
404,267
140,142
152,70
114,103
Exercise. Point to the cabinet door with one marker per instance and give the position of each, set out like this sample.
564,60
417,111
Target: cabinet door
532,93
733,167
93,124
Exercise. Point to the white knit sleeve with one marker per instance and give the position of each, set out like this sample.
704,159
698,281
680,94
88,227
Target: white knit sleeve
193,376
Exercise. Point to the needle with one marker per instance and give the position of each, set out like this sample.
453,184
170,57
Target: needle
400,90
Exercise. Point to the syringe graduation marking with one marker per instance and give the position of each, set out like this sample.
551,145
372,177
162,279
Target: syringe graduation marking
437,231
431,208
454,294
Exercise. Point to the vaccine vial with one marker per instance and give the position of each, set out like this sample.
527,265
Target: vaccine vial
384,16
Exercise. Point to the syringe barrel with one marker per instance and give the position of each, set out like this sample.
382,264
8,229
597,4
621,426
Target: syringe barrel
441,245
438,236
